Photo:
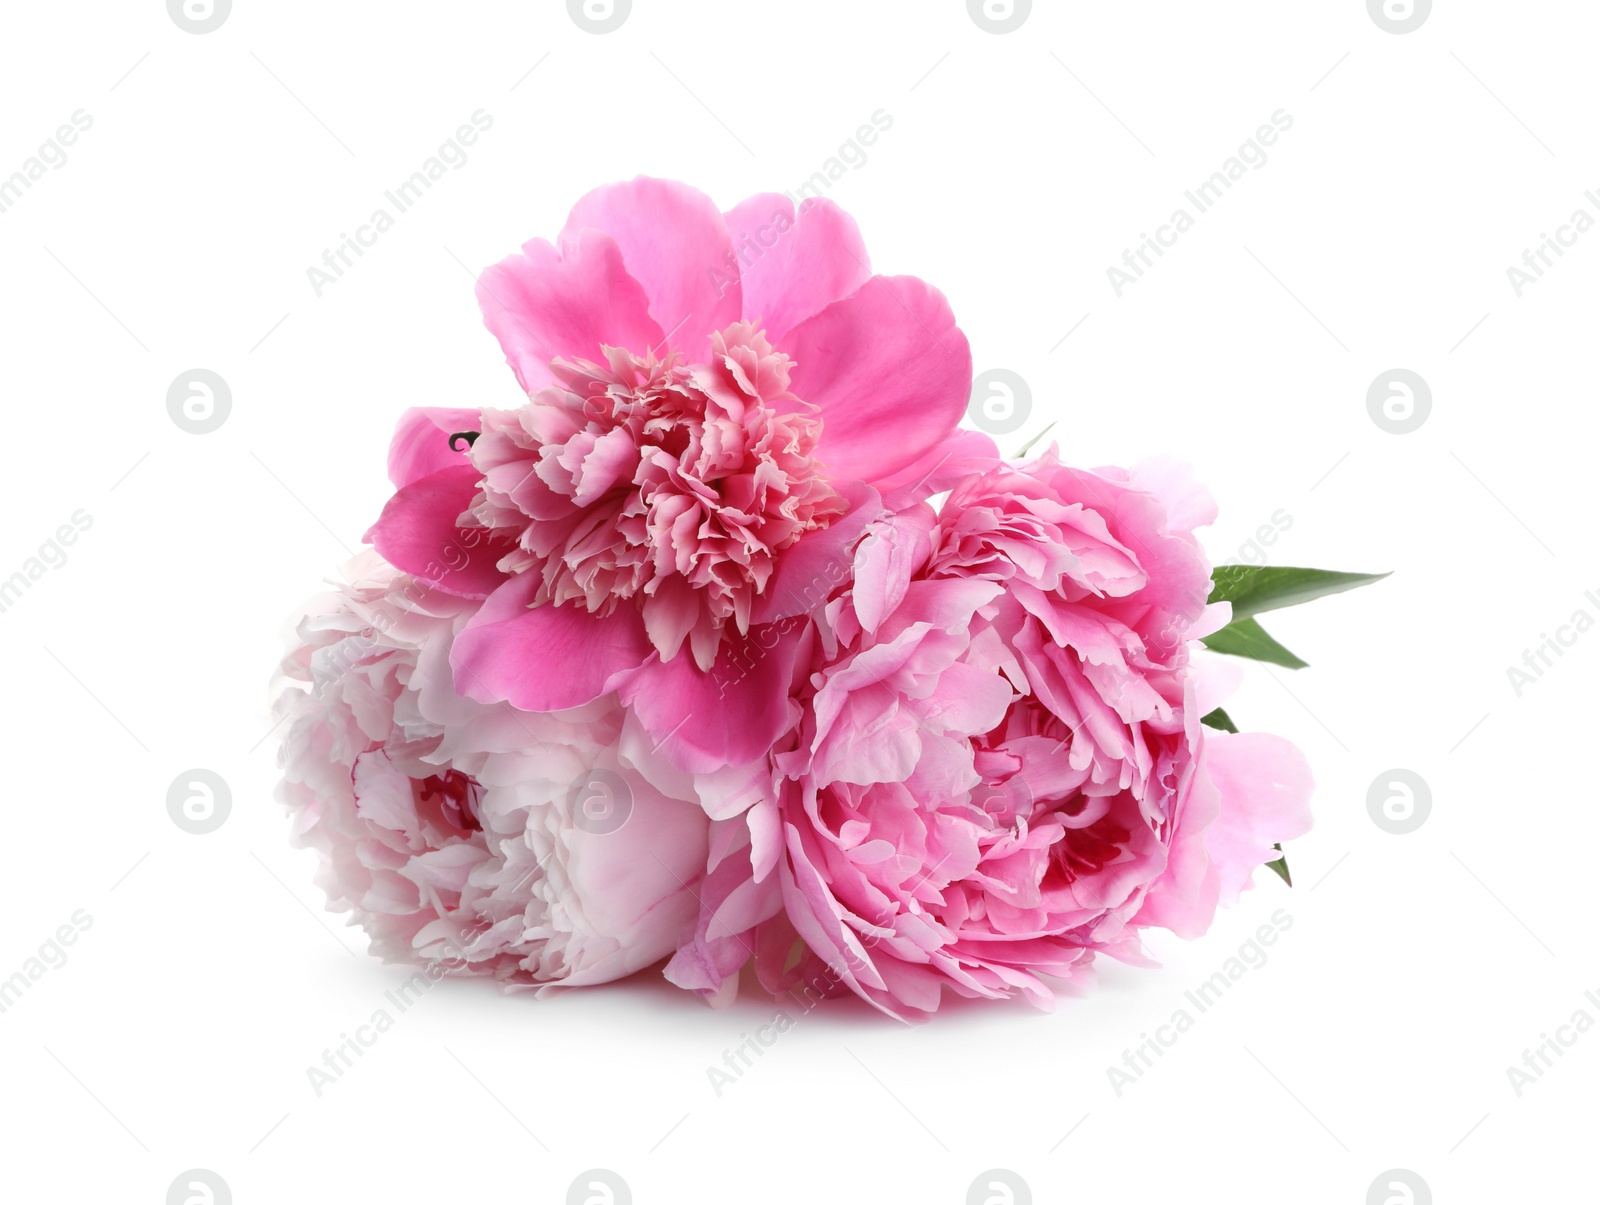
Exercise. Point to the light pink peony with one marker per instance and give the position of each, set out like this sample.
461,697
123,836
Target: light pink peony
718,404
472,837
997,768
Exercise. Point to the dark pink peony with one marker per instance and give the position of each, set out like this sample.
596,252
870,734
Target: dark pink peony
647,482
717,405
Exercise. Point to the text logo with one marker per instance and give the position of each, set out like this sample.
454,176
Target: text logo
199,801
599,16
198,16
1399,1187
1399,16
198,401
597,1186
1399,801
997,1186
999,16
1001,402
600,802
198,1186
1399,401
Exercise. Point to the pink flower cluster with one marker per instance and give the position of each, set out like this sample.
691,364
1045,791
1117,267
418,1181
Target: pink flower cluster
726,648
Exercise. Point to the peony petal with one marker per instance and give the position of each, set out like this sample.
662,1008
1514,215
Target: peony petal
891,372
731,906
418,532
1266,798
638,885
1214,618
885,563
814,566
963,454
544,658
677,246
1216,679
727,717
543,303
794,265
1189,504
670,614
383,794
421,444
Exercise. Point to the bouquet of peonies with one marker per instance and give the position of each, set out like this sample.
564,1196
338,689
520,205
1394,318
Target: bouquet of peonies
727,647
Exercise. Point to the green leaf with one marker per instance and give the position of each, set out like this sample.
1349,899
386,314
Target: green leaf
1023,450
1256,588
1280,866
1247,638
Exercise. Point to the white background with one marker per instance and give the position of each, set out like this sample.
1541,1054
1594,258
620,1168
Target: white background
1018,168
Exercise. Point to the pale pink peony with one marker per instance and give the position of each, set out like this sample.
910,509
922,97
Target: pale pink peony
469,837
718,403
997,767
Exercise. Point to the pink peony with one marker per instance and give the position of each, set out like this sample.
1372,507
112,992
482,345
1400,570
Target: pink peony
997,767
650,482
465,836
717,405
